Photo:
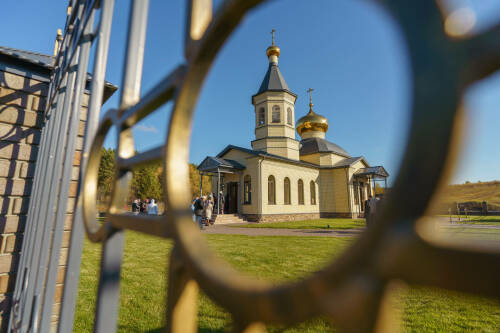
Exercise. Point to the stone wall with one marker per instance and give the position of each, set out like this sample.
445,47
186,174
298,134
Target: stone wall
296,217
22,102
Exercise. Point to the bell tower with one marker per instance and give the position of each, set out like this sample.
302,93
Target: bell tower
274,105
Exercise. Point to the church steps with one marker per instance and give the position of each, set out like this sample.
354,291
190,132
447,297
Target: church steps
229,219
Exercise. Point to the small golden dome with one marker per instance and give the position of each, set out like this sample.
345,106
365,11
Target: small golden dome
273,50
312,122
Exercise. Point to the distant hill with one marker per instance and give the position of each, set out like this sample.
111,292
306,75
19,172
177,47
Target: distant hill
472,193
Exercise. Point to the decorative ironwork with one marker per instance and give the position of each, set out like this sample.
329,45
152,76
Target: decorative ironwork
351,290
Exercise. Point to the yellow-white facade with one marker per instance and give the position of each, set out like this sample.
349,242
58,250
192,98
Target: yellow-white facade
282,178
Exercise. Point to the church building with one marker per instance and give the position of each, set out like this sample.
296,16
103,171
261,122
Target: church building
281,178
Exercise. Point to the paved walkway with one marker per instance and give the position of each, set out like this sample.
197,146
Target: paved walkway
445,222
234,230
224,229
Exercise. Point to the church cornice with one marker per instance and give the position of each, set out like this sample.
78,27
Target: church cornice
276,90
275,137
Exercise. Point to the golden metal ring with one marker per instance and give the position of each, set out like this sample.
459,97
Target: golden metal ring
352,286
96,231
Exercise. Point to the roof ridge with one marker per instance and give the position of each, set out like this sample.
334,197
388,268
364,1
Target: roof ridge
26,51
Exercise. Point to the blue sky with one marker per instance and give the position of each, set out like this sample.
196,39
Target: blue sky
350,52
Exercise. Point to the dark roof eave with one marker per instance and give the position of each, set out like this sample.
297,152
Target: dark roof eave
275,90
327,151
17,56
265,155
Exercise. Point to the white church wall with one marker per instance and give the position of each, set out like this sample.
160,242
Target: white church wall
333,191
311,158
280,170
253,172
329,159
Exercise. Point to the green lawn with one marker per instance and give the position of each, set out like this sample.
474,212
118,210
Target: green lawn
309,224
276,258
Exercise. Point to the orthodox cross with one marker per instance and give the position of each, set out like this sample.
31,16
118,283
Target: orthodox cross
272,34
310,95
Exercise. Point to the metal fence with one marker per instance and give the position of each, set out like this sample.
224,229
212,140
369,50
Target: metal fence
352,290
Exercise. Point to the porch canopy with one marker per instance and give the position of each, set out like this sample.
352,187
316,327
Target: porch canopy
216,165
375,173
212,166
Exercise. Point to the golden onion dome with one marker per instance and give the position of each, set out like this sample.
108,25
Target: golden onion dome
312,122
273,50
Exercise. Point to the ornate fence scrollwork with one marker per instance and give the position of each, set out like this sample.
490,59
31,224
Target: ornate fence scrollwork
350,290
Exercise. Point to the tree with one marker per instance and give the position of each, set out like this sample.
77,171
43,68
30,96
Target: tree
195,180
147,182
379,189
106,173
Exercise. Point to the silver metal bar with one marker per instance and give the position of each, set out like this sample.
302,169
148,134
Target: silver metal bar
46,212
22,272
34,241
77,39
109,284
109,281
30,226
131,85
71,279
50,285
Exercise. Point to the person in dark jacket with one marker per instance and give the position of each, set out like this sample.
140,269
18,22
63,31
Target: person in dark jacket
135,206
367,211
198,211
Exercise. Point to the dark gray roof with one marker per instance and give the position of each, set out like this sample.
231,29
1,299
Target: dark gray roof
349,161
33,57
43,65
264,154
377,171
211,164
318,145
273,81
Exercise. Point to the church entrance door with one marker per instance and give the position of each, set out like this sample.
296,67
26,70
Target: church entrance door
232,204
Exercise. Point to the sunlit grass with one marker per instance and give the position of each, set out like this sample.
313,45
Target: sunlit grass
143,283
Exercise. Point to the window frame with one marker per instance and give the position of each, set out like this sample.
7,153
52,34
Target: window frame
271,190
289,116
261,113
247,190
312,189
276,110
300,190
287,193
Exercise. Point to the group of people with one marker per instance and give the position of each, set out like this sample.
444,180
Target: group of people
203,208
146,206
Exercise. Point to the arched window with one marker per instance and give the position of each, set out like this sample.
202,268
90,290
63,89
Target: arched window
313,193
300,186
247,189
287,191
261,117
289,117
271,191
276,116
